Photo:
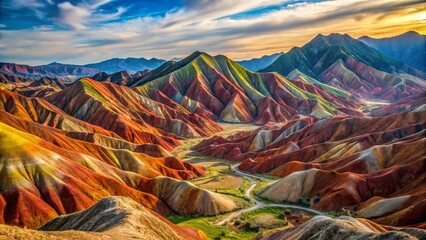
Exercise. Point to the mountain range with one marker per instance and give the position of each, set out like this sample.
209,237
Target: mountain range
69,72
346,63
371,166
256,64
337,126
31,87
72,151
409,48
220,89
131,65
64,71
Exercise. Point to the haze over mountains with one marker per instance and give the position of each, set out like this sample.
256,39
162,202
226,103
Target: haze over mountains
409,48
337,120
131,65
71,72
110,66
256,64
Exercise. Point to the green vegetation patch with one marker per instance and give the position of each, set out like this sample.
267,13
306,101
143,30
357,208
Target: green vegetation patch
261,221
211,230
237,192
275,211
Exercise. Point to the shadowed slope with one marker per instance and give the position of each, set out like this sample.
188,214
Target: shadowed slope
31,87
322,51
409,47
219,88
13,79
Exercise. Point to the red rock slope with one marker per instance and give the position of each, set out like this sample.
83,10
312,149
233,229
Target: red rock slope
219,88
414,103
31,87
374,167
39,180
53,164
348,64
130,115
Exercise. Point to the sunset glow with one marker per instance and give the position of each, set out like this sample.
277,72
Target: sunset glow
39,32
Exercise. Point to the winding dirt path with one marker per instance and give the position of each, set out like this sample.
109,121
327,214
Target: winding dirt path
259,204
230,129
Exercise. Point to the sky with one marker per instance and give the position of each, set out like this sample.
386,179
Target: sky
84,31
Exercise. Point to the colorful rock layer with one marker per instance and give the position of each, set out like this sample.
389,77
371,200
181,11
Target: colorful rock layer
374,167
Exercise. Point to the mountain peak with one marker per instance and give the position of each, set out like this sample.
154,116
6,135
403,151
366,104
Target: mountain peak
196,54
192,57
411,33
339,37
332,36
318,37
318,41
321,41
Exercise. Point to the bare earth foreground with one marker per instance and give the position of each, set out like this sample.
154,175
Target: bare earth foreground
224,177
110,218
123,218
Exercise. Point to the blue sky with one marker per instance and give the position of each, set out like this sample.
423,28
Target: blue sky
83,31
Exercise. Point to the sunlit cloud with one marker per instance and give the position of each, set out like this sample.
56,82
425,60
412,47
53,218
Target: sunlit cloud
86,32
80,16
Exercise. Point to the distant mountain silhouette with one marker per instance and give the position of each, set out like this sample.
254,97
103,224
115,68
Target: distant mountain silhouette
409,48
256,64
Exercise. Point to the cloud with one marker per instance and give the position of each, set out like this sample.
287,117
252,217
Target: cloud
79,16
95,35
33,5
313,14
72,16
18,4
208,10
43,28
